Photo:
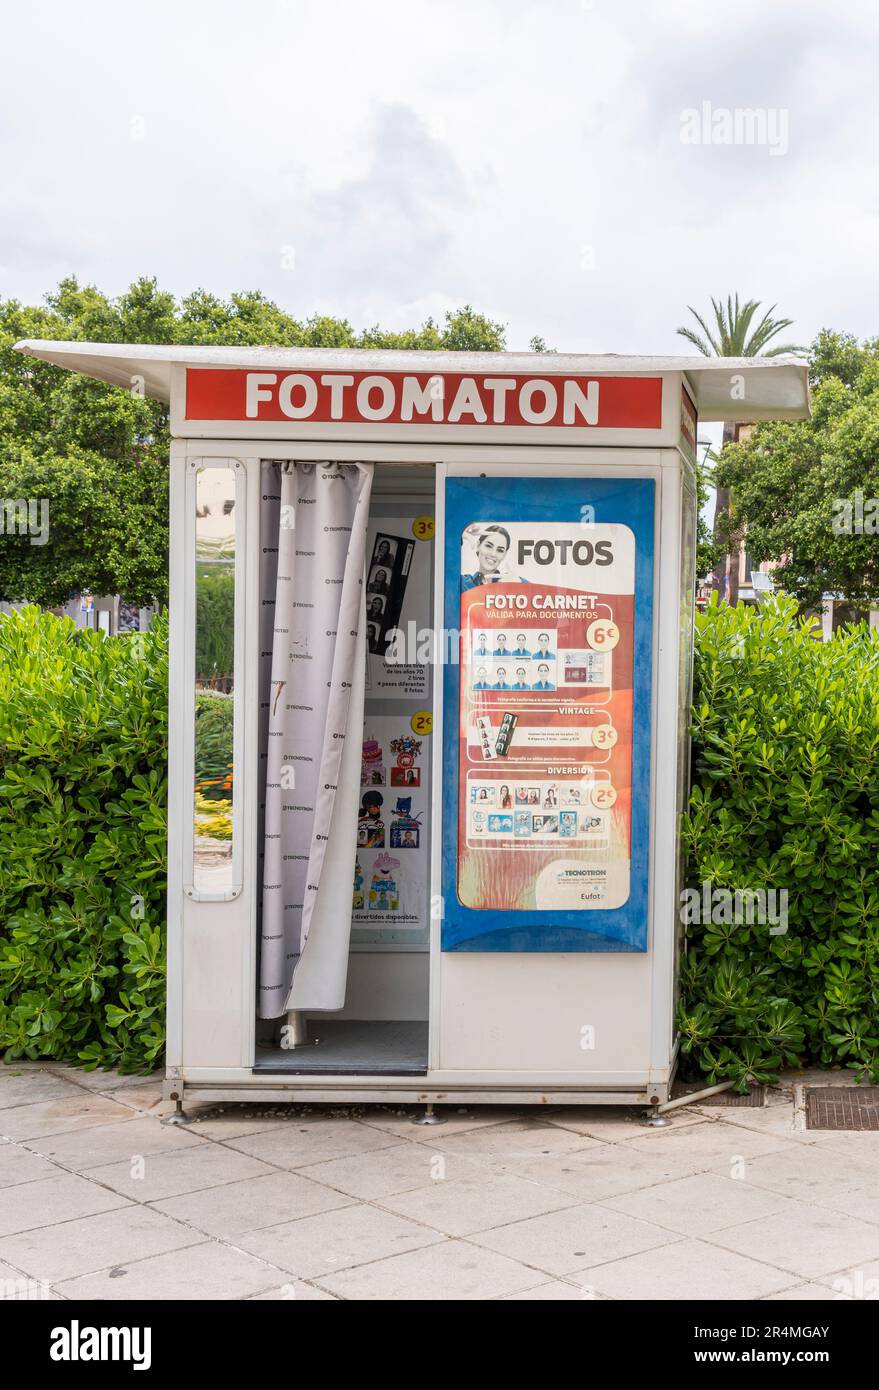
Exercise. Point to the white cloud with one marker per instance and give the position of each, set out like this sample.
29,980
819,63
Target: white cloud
523,157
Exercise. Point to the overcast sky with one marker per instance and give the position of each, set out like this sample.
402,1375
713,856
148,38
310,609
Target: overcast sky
393,159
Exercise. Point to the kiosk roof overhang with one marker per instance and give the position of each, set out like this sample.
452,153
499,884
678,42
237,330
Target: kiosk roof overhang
777,388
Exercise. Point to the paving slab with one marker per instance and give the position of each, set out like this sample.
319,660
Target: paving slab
616,1124
149,1177
453,1270
101,1080
44,1203
555,1292
317,1245
808,1293
806,1240
296,1291
820,1175
712,1144
235,1207
94,1243
206,1271
697,1205
63,1116
26,1085
308,1140
513,1141
565,1241
455,1119
690,1269
859,1282
399,1168
592,1174
18,1164
463,1206
130,1138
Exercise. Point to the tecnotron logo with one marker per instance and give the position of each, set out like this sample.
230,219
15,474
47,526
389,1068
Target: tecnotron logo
76,1343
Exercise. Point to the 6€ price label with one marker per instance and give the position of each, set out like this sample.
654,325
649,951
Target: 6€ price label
602,635
422,722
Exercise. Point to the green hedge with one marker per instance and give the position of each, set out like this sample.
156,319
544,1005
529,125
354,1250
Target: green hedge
83,756
785,796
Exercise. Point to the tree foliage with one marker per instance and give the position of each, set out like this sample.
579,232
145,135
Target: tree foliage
731,333
99,453
790,481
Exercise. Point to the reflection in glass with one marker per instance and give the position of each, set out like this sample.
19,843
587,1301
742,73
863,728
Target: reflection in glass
214,680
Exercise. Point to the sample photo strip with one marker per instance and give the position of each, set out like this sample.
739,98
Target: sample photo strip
386,578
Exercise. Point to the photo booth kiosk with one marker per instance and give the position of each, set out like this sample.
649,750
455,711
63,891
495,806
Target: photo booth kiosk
431,650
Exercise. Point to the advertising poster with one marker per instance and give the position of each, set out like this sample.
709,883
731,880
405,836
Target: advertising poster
547,737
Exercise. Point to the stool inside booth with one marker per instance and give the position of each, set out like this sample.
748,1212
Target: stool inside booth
430,674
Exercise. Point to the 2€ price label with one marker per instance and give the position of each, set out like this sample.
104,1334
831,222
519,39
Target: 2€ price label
603,796
422,722
423,528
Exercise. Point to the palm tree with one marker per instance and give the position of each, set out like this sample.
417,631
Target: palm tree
731,336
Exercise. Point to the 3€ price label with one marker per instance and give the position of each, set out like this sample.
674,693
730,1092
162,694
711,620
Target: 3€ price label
604,736
423,528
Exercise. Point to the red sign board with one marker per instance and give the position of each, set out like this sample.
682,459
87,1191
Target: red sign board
419,398
688,421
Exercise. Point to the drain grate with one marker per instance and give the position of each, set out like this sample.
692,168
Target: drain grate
755,1097
842,1107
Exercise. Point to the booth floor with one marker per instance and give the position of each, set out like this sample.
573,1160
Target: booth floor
352,1047
99,1200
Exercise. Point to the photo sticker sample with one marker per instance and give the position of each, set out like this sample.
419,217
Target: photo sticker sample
387,576
505,734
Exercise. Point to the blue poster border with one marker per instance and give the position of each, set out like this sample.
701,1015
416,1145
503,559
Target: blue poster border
626,501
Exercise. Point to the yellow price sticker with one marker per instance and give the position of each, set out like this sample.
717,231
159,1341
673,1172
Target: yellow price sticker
422,722
423,528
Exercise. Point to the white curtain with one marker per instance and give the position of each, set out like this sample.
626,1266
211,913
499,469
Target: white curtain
313,648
